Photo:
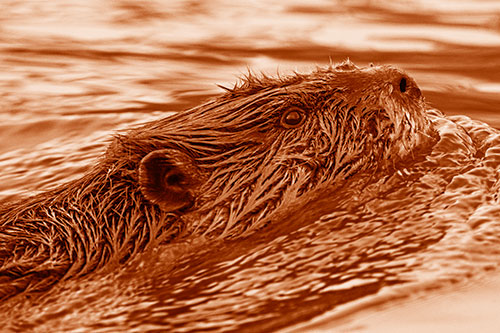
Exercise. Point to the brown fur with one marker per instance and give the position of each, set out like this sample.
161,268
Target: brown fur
220,170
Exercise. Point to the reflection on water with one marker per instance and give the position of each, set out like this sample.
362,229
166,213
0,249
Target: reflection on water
72,72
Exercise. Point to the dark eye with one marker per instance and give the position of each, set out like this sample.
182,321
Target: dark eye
293,117
402,85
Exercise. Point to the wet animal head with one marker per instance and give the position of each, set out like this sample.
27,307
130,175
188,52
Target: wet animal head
229,164
221,169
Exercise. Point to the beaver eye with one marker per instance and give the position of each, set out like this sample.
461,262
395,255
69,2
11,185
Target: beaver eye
293,117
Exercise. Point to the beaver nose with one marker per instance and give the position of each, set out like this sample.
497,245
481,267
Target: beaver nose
402,84
406,86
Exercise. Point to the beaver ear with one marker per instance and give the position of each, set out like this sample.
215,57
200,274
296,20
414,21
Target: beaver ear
168,178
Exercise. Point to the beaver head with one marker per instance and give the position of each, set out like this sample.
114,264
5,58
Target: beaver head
220,169
236,159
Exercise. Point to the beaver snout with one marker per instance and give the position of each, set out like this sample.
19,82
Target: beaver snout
406,86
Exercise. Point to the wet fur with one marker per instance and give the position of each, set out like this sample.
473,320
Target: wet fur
240,165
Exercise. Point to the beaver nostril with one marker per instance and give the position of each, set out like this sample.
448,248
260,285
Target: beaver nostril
402,85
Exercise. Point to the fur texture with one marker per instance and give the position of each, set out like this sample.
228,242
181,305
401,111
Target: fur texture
218,170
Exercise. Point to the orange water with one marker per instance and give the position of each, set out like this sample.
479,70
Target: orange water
72,73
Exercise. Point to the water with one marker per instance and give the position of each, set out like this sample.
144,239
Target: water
72,73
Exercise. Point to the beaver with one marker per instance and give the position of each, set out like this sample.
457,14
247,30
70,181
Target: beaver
219,170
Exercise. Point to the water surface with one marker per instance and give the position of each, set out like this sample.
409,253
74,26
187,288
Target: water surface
72,73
